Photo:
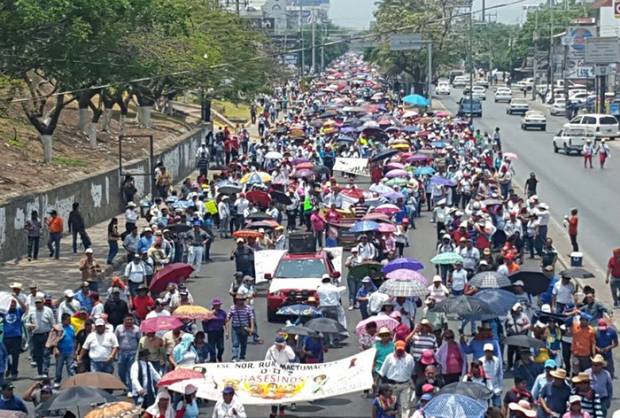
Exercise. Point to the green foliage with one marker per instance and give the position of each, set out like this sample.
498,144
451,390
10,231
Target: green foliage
492,43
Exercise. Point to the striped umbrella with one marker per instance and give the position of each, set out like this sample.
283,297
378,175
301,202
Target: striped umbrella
489,280
403,288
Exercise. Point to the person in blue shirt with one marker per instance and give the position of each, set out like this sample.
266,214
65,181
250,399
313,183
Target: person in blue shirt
362,295
146,241
10,402
476,345
83,296
606,341
313,349
13,332
65,350
545,297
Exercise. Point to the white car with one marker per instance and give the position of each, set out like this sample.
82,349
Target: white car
604,126
534,119
460,81
517,106
503,94
572,139
558,108
479,92
578,97
443,88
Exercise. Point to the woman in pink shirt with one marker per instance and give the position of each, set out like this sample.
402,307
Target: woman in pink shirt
451,358
318,226
402,330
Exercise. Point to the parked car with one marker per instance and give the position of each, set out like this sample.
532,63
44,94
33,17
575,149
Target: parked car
534,119
558,108
604,126
517,106
443,88
479,92
469,107
572,139
503,94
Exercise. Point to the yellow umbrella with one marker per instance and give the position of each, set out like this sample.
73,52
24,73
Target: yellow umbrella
264,177
193,312
400,146
115,410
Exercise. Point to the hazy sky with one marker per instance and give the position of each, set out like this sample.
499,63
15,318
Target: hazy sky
358,13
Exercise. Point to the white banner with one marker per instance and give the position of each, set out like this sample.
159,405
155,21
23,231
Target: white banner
358,166
266,383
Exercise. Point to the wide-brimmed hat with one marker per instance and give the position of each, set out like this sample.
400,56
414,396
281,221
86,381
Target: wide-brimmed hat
524,407
383,331
558,373
581,377
599,359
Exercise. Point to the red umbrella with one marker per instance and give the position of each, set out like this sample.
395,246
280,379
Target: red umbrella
354,193
259,197
178,375
172,273
160,323
307,165
247,233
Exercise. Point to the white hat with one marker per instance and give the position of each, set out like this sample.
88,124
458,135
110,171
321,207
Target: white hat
574,398
88,251
441,202
539,324
546,308
190,389
15,285
100,322
543,206
519,283
436,278
516,306
488,347
366,280
69,293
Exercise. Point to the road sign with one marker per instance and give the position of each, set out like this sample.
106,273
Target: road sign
602,50
405,41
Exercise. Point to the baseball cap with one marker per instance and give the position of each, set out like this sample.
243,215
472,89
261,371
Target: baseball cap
574,398
436,278
426,397
487,347
216,301
366,280
99,322
228,390
240,240
550,364
280,340
519,283
427,388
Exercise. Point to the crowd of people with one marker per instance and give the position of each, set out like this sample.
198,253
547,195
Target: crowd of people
554,338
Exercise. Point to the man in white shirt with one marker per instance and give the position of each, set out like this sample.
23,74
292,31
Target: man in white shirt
281,354
329,301
471,256
365,249
229,406
224,213
135,273
493,369
101,347
69,305
562,294
458,279
437,290
160,309
397,370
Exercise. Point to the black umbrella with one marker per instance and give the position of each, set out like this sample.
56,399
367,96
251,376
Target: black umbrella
229,188
76,396
386,153
299,330
534,282
328,114
577,273
489,280
280,197
466,307
325,325
524,341
471,389
259,216
178,228
316,123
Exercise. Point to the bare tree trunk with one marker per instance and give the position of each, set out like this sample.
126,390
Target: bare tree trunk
47,141
84,112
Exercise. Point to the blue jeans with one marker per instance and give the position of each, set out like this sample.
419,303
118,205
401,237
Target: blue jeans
40,354
125,360
101,366
112,251
353,286
64,359
239,343
216,345
53,244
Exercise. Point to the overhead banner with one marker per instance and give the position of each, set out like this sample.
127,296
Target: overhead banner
357,166
267,383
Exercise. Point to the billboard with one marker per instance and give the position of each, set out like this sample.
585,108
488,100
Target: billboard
576,38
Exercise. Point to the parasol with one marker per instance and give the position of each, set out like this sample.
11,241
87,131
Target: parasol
489,280
446,258
403,263
172,273
405,274
115,410
398,172
465,307
247,233
450,405
364,226
96,380
535,282
403,288
380,320
259,198
193,312
386,228
471,389
178,375
325,325
524,341
300,309
298,330
577,273
160,323
387,208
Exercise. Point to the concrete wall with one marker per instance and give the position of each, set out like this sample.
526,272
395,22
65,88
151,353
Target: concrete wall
99,195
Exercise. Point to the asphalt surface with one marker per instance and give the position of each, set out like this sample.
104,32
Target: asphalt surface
563,182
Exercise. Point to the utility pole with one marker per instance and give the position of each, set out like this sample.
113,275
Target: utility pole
535,64
313,17
550,55
565,44
323,40
471,67
483,10
301,37
429,69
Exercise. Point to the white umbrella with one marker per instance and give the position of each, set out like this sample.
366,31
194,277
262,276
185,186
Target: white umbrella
273,155
5,301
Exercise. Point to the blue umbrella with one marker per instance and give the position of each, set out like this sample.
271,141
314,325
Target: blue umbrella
403,263
442,181
364,226
438,144
411,129
347,130
345,138
455,406
500,300
424,171
415,100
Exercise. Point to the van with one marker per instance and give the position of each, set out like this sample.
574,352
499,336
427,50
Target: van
572,139
604,126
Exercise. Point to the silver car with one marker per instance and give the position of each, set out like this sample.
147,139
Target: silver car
503,94
534,119
517,106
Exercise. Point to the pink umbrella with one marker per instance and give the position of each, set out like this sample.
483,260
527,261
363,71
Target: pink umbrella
396,173
406,274
511,156
442,114
395,166
388,209
386,228
381,321
160,323
376,216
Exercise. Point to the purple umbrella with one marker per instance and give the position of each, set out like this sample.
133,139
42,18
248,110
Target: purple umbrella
395,166
394,196
418,158
442,181
347,130
300,160
303,173
403,274
403,263
396,173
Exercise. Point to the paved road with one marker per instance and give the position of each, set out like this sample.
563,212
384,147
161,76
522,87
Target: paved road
564,183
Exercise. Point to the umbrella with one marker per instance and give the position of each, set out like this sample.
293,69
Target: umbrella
446,258
438,144
256,177
76,396
367,268
403,288
489,280
172,273
393,196
307,165
364,226
500,300
397,181
344,138
535,282
511,156
247,233
229,188
96,380
396,173
442,181
411,129
492,202
424,171
298,330
386,228
577,273
178,375
374,216
415,100
524,341
115,410
304,172
280,197
325,325
4,413
259,198
381,321
417,158
395,166
299,309
160,323
465,307
388,208
382,155
300,160
178,228
193,312
273,155
259,216
405,274
471,389
450,405
403,263
267,223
